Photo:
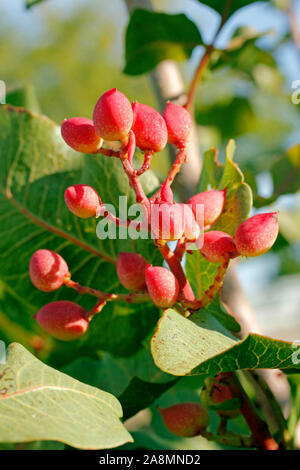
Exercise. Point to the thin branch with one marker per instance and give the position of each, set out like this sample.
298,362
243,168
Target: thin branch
133,297
186,292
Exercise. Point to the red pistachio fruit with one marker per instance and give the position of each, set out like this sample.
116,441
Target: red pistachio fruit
179,123
218,246
82,200
167,221
185,419
257,235
213,204
113,115
79,133
131,271
162,286
149,127
47,270
63,319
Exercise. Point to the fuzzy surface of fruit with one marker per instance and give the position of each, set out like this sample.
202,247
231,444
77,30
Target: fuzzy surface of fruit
167,221
166,193
179,123
47,270
257,234
149,128
185,419
80,134
162,286
213,204
113,115
131,271
218,246
191,228
82,200
217,395
63,319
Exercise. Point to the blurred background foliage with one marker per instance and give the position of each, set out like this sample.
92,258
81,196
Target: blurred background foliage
66,53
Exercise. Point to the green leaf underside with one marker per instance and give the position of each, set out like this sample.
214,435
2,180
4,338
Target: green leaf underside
40,403
200,345
153,36
36,168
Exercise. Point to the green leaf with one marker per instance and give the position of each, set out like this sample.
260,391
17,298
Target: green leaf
25,97
200,345
31,3
36,167
221,5
136,381
238,196
152,37
285,172
40,403
201,273
237,50
211,172
218,310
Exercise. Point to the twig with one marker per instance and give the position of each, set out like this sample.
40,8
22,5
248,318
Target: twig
186,292
133,297
258,428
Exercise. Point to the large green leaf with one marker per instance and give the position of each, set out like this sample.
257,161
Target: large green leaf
40,403
36,167
200,345
152,37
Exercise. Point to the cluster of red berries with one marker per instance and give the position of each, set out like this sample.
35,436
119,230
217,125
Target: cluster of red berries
115,119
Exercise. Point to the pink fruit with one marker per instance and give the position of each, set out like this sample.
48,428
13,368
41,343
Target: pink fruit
167,221
185,419
191,228
162,286
218,246
113,115
149,127
79,133
213,204
218,396
179,123
63,319
47,270
257,235
131,271
82,200
166,193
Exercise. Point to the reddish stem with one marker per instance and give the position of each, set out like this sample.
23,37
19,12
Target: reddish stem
180,159
186,291
130,172
109,152
146,164
129,298
180,248
212,291
257,426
